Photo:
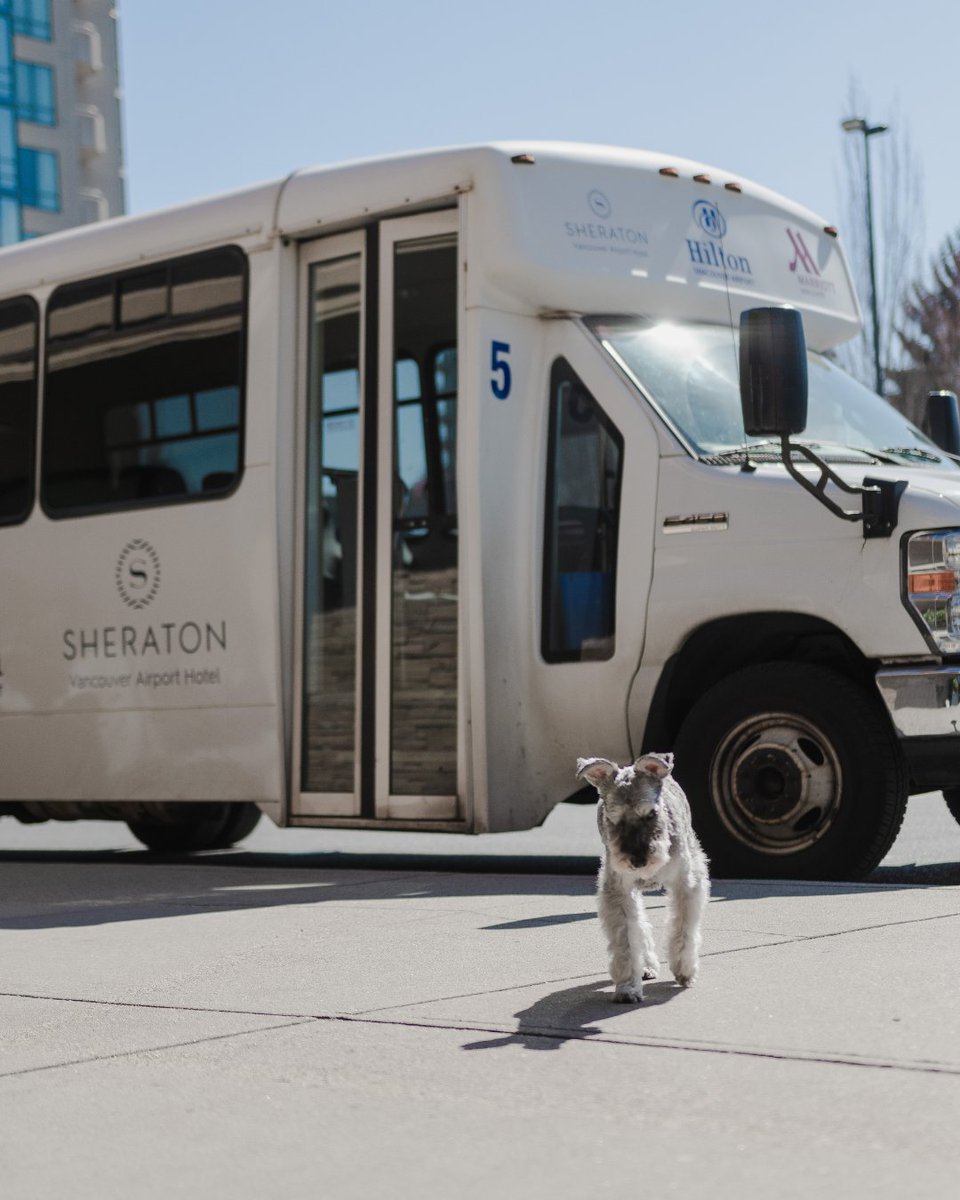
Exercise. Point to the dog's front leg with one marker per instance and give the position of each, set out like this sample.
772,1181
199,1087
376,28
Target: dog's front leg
686,902
630,945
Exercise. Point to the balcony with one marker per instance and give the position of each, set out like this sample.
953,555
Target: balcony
92,139
87,49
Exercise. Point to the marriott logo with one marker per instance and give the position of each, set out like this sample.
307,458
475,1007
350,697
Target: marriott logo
802,258
805,269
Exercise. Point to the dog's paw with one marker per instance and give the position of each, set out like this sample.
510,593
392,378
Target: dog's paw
626,993
686,980
649,973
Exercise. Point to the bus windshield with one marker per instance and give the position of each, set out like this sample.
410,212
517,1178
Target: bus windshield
690,372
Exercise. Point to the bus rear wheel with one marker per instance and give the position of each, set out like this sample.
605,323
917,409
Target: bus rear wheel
793,772
183,828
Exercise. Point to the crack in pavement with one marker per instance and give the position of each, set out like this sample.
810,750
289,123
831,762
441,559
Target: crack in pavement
117,1054
509,1032
513,987
519,1031
369,1012
772,945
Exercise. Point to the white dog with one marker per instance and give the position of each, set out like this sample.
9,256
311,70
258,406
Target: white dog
648,843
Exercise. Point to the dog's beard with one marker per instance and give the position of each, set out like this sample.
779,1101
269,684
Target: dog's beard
639,846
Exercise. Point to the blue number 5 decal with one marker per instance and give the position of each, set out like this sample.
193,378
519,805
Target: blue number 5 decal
501,379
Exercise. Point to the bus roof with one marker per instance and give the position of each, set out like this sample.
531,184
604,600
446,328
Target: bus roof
564,226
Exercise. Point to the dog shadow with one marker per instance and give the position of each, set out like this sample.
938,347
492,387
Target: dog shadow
574,1014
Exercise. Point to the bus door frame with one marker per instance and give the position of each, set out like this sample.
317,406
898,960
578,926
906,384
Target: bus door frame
371,801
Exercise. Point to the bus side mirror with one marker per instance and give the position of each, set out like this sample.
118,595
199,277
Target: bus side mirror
943,419
773,396
773,372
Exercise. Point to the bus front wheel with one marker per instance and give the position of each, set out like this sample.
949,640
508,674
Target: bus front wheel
182,828
793,772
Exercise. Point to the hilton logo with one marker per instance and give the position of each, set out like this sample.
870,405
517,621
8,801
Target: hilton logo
138,573
710,219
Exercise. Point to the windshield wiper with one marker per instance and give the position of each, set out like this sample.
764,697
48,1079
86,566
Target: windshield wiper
913,452
742,452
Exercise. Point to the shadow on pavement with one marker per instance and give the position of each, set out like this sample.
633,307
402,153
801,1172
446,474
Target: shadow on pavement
908,875
571,1014
919,875
466,864
79,889
68,890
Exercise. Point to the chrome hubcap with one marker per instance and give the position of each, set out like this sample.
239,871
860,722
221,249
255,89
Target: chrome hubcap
776,782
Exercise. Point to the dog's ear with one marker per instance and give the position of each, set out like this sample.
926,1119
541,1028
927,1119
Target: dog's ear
657,765
596,770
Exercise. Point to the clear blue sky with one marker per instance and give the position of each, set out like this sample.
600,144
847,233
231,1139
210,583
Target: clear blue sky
219,93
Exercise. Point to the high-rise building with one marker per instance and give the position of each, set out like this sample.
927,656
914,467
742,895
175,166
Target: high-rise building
60,149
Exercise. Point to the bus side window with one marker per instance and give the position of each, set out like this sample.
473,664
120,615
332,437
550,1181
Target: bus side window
143,402
19,324
582,517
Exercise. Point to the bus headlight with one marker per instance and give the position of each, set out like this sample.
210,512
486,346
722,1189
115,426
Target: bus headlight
933,585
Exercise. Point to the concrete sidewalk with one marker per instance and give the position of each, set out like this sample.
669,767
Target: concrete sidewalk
218,1030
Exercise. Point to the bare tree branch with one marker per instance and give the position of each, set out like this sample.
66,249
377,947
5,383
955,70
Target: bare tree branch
929,334
898,228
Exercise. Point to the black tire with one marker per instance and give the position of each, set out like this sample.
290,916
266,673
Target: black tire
793,772
952,797
183,828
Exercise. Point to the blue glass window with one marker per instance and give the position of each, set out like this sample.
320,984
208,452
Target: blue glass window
8,151
31,18
584,470
6,60
218,408
35,94
9,221
172,417
39,178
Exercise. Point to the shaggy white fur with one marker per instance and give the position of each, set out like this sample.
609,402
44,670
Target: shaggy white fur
648,843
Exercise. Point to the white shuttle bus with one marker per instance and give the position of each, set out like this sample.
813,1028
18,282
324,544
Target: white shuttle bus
376,495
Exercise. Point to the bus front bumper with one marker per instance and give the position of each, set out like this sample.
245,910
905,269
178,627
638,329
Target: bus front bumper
924,707
923,701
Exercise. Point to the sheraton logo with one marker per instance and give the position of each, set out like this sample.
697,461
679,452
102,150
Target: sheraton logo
138,573
133,641
599,204
601,234
137,576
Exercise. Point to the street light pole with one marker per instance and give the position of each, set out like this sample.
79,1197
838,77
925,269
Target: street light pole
860,125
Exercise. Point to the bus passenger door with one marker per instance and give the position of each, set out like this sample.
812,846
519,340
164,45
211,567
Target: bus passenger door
377,733
329,659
